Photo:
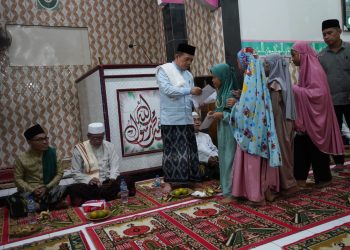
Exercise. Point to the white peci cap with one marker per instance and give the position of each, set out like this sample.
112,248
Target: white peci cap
195,114
96,128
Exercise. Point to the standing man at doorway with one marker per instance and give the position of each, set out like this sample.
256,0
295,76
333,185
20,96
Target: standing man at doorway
176,87
335,60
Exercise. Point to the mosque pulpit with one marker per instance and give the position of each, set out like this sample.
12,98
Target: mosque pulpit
126,99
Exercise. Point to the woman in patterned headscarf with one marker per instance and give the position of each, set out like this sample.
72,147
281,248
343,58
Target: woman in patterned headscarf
257,157
283,106
225,82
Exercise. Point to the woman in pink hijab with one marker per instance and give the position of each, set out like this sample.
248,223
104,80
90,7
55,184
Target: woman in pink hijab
316,125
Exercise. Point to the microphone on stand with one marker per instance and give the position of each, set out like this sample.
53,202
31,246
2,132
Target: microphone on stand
132,45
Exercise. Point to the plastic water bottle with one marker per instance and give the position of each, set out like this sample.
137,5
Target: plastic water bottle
124,192
157,185
31,210
157,181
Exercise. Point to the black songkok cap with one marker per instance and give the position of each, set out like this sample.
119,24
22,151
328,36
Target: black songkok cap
183,47
33,131
330,23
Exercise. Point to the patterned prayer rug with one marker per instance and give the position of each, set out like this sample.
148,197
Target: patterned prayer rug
337,238
19,229
136,204
72,241
151,231
340,184
301,211
224,225
161,197
343,172
331,194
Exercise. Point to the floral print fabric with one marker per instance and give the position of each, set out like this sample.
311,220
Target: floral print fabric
252,118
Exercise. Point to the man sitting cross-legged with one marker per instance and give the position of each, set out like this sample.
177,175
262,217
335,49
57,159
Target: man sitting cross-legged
95,168
38,172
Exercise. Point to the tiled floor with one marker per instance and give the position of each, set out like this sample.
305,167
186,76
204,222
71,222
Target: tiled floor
274,245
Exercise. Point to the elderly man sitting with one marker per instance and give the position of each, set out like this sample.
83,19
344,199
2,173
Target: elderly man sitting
38,171
95,168
207,151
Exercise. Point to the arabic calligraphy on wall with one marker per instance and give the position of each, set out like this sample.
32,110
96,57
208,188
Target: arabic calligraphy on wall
264,48
139,121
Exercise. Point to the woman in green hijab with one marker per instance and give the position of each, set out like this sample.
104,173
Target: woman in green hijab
225,82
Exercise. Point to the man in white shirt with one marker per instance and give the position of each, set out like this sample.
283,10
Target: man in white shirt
207,151
95,168
176,88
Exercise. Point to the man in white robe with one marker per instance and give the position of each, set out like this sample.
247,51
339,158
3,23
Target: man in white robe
95,168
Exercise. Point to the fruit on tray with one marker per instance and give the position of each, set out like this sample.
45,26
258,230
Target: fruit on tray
98,214
180,192
209,191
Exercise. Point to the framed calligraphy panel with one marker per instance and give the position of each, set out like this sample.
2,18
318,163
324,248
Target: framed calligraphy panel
139,121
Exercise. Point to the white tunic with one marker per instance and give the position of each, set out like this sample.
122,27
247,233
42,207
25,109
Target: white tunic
108,162
205,146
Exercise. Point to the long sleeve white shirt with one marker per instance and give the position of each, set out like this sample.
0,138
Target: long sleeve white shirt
205,146
175,102
108,162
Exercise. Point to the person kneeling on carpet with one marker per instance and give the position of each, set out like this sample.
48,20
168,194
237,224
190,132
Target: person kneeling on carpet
95,168
39,171
207,151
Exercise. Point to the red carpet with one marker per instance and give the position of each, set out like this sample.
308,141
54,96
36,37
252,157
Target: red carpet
151,231
203,224
300,212
224,225
335,238
12,229
74,241
136,204
342,173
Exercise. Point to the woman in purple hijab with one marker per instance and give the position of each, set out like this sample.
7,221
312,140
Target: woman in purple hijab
316,125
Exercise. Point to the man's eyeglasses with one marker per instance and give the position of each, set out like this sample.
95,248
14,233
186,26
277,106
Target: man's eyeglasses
40,139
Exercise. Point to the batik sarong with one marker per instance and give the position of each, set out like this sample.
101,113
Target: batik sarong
180,154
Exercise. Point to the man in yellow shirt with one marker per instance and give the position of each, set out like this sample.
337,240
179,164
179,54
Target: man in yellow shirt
38,171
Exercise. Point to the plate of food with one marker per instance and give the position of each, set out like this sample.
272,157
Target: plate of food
181,192
202,194
98,215
26,230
